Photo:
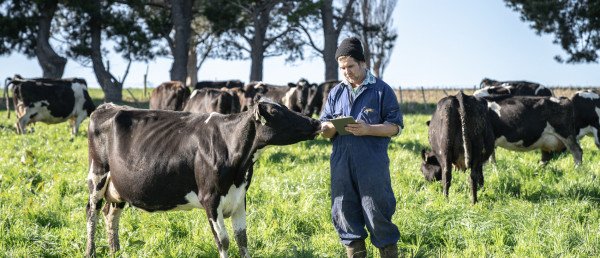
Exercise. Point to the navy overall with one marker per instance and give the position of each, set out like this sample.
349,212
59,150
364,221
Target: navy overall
361,191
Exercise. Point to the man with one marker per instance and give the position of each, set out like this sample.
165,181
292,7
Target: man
361,191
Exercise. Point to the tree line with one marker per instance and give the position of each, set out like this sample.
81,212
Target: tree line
190,32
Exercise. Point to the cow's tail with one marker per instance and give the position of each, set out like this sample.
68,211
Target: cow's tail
7,84
463,126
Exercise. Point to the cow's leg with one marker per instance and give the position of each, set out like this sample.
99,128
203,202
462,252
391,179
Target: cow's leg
476,178
446,175
493,157
217,224
76,122
97,181
112,212
573,147
238,221
22,124
546,156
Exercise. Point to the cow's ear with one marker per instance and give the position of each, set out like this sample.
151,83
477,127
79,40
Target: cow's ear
291,84
257,114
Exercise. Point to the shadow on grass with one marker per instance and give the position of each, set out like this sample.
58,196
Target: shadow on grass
411,145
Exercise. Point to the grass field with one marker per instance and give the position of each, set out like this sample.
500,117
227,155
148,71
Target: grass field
524,209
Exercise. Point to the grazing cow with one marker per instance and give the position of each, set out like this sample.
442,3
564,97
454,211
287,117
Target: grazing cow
159,160
460,134
209,100
318,97
517,88
219,84
525,123
170,96
50,101
587,114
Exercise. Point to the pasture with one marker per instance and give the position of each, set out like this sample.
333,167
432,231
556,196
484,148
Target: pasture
524,209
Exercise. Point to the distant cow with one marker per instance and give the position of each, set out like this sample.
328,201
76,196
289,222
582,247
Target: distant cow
50,101
294,96
170,96
587,114
517,88
318,97
209,100
460,134
219,84
159,160
525,123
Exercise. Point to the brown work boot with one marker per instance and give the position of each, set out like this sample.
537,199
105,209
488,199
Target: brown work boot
389,251
356,249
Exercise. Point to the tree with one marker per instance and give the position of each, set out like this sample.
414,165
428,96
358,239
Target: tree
27,28
332,21
90,23
255,29
574,23
375,26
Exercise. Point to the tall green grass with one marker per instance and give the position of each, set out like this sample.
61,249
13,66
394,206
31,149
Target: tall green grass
524,209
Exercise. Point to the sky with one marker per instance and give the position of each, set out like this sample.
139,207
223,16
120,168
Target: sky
441,44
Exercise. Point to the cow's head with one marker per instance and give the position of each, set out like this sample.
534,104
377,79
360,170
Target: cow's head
430,167
277,125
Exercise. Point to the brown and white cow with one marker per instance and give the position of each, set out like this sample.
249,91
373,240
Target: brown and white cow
460,135
158,160
210,100
294,96
170,96
49,101
489,87
587,114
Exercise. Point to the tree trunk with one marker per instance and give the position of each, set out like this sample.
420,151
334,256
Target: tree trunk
261,22
330,37
52,64
181,16
192,68
257,56
113,90
366,11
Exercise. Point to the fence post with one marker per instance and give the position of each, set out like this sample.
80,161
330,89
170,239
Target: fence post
400,90
424,100
145,79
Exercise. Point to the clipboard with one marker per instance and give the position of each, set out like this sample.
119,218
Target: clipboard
339,124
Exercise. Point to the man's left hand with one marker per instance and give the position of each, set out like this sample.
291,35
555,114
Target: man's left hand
358,129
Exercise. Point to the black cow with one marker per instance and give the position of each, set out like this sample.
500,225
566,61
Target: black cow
294,96
525,123
219,84
49,101
318,97
460,134
517,88
587,114
209,100
171,95
160,160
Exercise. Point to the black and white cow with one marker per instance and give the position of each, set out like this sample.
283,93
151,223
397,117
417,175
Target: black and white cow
209,100
518,88
460,134
525,123
219,84
587,114
158,160
50,101
171,95
294,96
318,97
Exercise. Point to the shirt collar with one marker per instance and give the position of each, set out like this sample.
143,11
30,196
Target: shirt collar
369,79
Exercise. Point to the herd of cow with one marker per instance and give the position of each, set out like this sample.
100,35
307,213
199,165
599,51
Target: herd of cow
208,160
515,115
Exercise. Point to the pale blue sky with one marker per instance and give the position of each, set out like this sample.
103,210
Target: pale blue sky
440,44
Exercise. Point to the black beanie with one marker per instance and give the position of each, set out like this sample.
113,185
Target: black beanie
350,47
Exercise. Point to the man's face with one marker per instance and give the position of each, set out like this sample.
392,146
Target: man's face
353,71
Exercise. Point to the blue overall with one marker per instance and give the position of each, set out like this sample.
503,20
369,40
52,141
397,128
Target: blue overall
361,191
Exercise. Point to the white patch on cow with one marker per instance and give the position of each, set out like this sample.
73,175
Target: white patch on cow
259,84
219,227
209,117
591,131
111,193
548,141
495,107
232,201
79,112
539,88
588,94
553,99
192,202
194,94
259,152
481,92
287,98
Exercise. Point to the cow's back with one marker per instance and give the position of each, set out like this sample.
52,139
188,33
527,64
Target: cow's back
170,96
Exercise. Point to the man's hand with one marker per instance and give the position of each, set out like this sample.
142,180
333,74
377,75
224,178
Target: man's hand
358,129
327,129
